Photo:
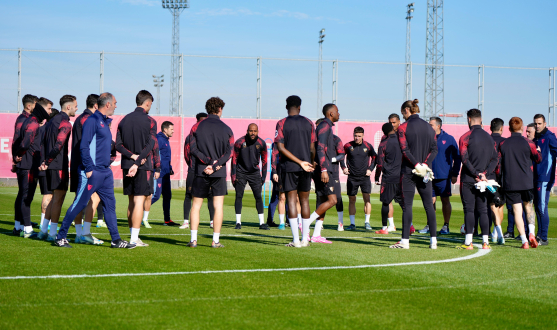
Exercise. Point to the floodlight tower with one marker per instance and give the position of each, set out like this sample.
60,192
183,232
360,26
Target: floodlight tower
320,74
176,7
158,83
434,103
408,74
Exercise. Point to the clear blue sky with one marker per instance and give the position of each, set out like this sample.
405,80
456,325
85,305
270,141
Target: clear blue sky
512,33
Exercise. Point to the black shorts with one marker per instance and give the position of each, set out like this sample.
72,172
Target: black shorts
441,187
324,189
390,191
57,179
44,185
519,196
362,182
300,181
189,184
138,185
254,180
497,198
204,187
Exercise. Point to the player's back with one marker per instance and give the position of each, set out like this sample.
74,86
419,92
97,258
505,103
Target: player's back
297,133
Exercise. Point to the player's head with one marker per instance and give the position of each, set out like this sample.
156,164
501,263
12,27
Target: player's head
144,99
359,135
531,131
539,120
106,103
330,111
409,108
54,112
474,117
200,116
214,106
319,121
293,104
29,102
47,104
167,128
388,128
40,113
515,125
394,119
68,104
91,102
253,131
436,124
497,125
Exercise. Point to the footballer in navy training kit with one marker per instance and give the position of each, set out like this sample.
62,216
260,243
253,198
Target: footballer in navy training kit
211,144
95,173
360,162
418,144
295,138
248,151
135,140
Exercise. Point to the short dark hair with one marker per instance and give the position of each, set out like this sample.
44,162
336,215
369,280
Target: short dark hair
327,107
496,124
358,129
143,96
437,120
28,98
104,98
165,124
387,128
533,125
54,112
200,115
474,113
293,101
319,121
538,116
91,100
65,99
44,102
213,104
394,115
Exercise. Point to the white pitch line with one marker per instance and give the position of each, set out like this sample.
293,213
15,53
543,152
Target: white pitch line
478,254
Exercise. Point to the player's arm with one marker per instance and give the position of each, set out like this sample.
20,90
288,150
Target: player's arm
323,133
112,152
193,147
340,150
432,150
534,154
494,161
63,132
463,146
380,158
28,138
84,147
347,154
119,143
150,143
455,170
401,132
187,153
372,156
235,154
263,160
157,157
274,159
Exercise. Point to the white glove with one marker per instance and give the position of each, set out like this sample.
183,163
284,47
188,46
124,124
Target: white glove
420,170
482,185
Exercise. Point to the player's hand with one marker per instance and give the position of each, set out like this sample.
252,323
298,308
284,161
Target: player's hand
234,183
377,183
482,177
368,173
157,175
346,171
43,167
324,177
538,149
453,179
275,178
306,166
88,174
14,168
17,159
43,122
132,171
134,157
143,161
171,172
208,170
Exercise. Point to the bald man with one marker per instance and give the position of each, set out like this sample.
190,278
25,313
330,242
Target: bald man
245,169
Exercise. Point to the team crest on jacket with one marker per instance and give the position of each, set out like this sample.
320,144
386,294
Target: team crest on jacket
543,140
102,124
444,141
351,148
243,145
257,146
365,149
332,188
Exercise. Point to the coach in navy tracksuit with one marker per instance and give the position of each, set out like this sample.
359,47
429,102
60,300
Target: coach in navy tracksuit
446,167
162,185
95,173
544,174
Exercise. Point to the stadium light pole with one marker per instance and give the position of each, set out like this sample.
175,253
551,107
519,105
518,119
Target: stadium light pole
158,83
320,73
408,75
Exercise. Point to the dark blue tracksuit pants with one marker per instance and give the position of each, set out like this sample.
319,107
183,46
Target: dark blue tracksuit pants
101,182
162,186
541,198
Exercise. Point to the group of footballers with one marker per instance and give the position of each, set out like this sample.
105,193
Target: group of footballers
412,156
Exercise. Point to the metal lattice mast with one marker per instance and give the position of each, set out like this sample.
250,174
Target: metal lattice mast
176,7
158,80
408,61
320,75
434,58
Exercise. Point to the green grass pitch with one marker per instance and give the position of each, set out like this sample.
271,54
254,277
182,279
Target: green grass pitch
507,288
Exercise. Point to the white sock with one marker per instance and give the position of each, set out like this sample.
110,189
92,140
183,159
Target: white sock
238,218
433,240
17,225
532,229
78,230
523,238
281,217
294,228
314,216
468,239
86,228
317,229
42,218
384,227
299,218
367,218
261,221
53,228
145,215
485,238
44,226
130,230
305,228
216,237
391,222
193,235
135,234
340,217
353,220
405,241
499,231
28,229
100,221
